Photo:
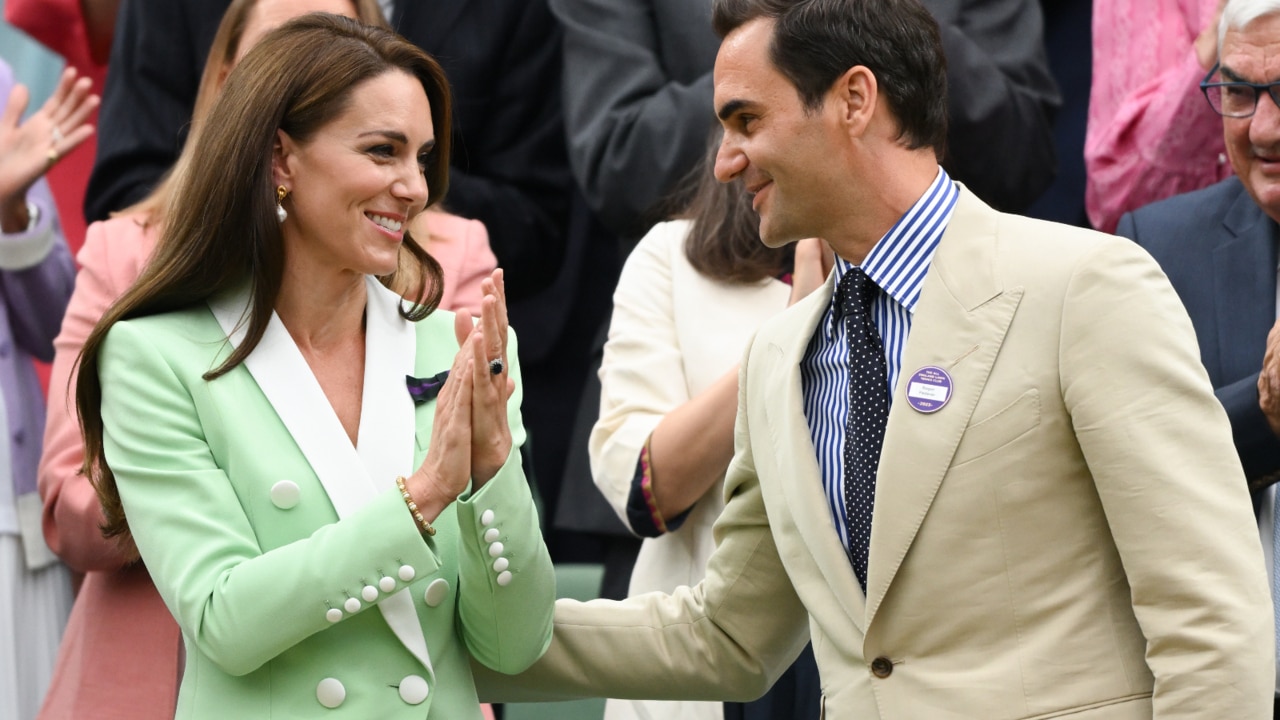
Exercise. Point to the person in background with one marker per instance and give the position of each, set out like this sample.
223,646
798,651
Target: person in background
97,674
36,278
255,406
692,294
1150,135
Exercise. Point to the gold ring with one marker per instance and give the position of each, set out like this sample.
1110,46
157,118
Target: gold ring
53,155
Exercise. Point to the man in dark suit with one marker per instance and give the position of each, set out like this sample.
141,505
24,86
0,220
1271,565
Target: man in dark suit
1219,248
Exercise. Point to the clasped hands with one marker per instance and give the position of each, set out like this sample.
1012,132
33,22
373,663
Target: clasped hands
470,437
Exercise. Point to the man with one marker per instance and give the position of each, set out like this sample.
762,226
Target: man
1219,248
1054,523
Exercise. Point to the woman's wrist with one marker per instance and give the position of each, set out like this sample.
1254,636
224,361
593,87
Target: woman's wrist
428,495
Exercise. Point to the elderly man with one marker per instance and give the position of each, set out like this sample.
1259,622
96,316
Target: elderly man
984,469
1219,248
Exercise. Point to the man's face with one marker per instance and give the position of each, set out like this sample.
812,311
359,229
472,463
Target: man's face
789,159
1252,54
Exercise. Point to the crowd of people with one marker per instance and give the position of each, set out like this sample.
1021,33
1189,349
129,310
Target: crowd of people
330,328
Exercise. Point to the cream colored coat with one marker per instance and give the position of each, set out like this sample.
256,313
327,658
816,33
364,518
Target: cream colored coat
1070,536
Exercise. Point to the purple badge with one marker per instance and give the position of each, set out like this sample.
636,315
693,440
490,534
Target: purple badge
929,389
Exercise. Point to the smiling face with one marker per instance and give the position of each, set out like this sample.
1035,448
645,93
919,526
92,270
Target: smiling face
358,179
790,158
1252,54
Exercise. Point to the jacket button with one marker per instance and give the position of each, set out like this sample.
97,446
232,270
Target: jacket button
882,667
331,693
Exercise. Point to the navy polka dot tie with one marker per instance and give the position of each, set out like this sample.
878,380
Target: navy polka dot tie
868,413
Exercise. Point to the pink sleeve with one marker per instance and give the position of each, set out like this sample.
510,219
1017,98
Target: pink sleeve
1165,140
477,261
72,516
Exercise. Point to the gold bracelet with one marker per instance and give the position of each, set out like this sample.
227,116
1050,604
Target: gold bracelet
423,526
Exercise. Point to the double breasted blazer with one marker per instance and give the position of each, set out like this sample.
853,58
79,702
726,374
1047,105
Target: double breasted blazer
286,554
121,649
1069,535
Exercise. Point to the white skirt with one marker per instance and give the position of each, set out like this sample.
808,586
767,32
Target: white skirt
33,611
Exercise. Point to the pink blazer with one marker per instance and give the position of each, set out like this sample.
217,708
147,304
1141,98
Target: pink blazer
120,652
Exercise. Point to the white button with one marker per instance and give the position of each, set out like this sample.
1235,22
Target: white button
333,615
495,549
486,518
413,689
387,584
436,592
369,593
504,578
491,534
331,693
406,573
352,605
285,494
500,564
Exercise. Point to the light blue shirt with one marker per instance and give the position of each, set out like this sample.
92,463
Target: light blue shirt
897,264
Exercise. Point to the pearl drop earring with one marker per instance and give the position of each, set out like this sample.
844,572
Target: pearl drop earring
282,192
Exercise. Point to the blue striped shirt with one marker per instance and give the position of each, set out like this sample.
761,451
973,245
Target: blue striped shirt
897,264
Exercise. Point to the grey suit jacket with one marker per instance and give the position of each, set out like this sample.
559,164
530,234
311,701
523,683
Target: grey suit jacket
1219,250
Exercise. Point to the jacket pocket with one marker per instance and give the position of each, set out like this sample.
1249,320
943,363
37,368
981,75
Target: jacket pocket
999,429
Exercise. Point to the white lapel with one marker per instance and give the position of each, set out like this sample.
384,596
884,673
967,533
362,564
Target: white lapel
350,478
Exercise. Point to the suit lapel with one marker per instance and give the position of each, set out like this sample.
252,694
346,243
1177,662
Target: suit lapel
1244,269
959,325
797,467
350,478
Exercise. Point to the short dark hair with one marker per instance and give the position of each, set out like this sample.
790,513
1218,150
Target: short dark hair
816,41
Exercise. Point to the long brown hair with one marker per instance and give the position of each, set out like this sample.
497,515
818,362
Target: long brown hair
222,229
724,241
222,55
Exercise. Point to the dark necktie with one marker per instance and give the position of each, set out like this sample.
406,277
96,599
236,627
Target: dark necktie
868,412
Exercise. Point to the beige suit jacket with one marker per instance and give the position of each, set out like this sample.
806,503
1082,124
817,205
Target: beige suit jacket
1070,535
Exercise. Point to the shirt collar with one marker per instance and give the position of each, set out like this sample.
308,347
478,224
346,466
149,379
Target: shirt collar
899,261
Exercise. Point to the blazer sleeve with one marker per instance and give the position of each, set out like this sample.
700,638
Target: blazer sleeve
1256,444
505,631
72,516
634,130
237,603
1001,94
1159,449
642,374
728,638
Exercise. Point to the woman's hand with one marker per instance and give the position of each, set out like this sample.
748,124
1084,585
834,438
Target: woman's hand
446,470
491,386
813,262
28,149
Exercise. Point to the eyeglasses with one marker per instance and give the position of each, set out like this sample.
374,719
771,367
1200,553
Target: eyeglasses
1236,99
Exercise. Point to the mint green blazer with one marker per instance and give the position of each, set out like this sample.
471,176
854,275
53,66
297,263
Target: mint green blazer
287,556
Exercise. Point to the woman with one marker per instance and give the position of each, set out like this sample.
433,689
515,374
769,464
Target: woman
36,275
96,674
249,414
690,297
